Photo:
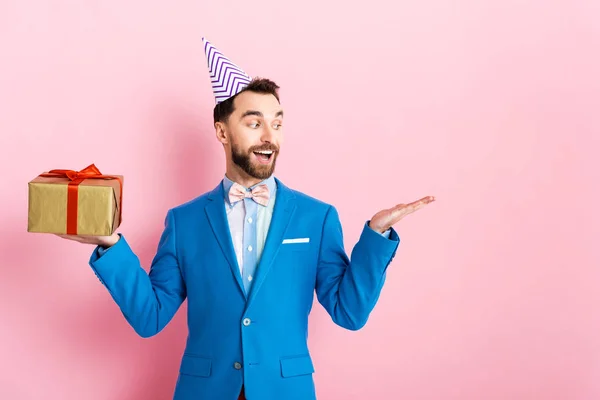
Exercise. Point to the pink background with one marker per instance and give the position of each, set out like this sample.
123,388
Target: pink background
492,106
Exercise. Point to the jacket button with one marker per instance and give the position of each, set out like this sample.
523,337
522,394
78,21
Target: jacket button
237,365
246,321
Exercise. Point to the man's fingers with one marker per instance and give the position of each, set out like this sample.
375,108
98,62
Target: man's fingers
398,207
415,205
63,236
425,200
398,210
72,237
401,210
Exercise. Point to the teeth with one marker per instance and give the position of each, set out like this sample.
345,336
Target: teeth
265,152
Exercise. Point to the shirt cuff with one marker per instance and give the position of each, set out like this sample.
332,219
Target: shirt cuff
385,234
101,250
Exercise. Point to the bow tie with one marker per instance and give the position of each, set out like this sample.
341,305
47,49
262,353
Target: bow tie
259,194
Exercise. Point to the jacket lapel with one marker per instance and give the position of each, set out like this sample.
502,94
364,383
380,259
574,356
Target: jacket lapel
282,213
215,212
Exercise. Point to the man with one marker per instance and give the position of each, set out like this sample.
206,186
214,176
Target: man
249,256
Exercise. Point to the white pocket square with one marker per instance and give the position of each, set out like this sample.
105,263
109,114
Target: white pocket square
298,240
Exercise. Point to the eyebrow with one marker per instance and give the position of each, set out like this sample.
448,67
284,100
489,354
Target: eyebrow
259,114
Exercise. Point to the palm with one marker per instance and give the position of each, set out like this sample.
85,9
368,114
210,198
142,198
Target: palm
106,241
385,219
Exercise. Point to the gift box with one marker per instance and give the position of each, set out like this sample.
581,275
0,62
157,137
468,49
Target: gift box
70,202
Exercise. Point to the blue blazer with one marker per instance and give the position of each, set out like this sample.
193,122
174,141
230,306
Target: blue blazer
258,340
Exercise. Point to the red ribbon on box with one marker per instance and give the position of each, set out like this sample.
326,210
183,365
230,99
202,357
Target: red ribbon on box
76,177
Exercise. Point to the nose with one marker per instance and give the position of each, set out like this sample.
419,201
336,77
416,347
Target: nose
268,134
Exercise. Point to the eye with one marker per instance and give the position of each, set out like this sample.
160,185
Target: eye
254,125
277,126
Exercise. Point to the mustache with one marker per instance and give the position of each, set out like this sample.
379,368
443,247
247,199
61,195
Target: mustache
269,147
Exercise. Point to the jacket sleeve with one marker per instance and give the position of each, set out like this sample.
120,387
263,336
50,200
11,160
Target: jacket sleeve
349,288
148,301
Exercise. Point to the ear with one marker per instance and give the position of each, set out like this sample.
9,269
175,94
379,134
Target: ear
221,132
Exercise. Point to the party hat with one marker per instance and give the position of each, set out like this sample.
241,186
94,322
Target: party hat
227,79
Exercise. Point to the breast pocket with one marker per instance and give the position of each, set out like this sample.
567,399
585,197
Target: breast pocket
296,244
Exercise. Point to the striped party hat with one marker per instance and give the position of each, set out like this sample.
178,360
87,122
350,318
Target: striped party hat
227,79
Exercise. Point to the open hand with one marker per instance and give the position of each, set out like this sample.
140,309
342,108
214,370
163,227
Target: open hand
384,219
104,241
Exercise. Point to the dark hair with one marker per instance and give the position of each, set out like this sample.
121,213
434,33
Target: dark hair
224,109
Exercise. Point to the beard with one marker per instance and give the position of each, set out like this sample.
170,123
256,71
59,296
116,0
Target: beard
254,169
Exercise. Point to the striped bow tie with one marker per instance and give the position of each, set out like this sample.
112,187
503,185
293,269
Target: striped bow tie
259,194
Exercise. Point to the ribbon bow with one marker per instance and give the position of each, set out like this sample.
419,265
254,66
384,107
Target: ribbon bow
91,171
259,194
75,178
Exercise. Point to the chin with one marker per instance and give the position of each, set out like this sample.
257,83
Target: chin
262,172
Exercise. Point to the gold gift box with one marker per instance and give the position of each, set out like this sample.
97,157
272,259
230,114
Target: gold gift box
97,204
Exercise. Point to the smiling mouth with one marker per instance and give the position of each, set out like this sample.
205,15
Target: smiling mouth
264,156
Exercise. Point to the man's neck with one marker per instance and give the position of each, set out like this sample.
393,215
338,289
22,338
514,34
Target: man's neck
242,178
